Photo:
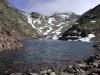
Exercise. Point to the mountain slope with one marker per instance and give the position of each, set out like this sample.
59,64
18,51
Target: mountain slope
51,27
87,24
13,26
16,21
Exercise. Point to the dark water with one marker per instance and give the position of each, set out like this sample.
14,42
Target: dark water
48,51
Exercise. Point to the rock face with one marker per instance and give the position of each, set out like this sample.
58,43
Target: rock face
13,26
87,24
51,27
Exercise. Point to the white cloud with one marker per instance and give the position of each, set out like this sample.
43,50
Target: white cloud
48,8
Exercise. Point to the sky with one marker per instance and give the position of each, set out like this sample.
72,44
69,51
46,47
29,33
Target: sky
49,7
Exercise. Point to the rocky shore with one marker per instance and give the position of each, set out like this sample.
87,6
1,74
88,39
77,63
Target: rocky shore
8,42
90,66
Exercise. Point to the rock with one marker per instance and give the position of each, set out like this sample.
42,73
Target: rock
90,60
83,72
65,73
8,72
8,43
76,69
70,69
97,46
98,66
93,74
53,73
44,72
33,74
82,65
49,70
16,74
95,64
96,70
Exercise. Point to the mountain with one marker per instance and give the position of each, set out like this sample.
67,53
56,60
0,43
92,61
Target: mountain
87,26
13,26
51,27
16,25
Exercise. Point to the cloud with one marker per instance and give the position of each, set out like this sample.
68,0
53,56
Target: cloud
49,7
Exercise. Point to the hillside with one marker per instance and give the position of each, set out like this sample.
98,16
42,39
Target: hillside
13,26
88,23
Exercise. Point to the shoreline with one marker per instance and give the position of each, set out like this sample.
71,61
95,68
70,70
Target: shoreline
90,66
87,67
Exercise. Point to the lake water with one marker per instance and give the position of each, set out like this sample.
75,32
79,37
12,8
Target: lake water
41,53
48,51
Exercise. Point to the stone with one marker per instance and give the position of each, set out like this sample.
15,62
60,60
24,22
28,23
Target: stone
65,73
33,74
16,74
70,70
82,65
97,46
93,74
53,73
43,72
90,60
95,64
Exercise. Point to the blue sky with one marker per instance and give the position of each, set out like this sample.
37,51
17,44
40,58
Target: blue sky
48,7
20,4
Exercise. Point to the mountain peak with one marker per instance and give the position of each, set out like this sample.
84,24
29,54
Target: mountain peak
98,6
64,13
35,15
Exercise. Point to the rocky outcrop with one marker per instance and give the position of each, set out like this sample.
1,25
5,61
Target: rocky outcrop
8,42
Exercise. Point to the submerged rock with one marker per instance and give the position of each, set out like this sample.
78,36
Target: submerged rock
97,46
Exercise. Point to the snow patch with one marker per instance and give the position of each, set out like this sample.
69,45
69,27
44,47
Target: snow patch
50,20
50,29
58,25
64,16
45,26
92,21
54,37
38,21
87,39
30,20
76,23
58,31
